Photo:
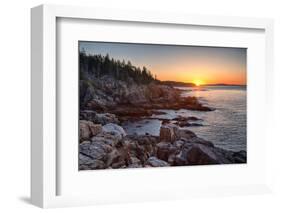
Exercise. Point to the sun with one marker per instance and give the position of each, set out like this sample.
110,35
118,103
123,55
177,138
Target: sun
198,82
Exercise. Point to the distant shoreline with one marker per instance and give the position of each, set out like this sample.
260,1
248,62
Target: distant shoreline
225,85
188,84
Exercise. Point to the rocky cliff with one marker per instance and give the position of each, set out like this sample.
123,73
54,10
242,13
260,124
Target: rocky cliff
121,98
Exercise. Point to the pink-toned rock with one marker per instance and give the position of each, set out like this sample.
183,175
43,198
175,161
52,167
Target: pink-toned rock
165,150
169,133
88,129
198,154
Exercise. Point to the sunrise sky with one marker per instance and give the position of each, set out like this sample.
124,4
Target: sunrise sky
200,65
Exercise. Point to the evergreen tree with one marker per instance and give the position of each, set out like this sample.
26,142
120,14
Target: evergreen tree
98,66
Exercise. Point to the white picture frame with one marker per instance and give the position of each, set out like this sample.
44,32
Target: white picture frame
44,150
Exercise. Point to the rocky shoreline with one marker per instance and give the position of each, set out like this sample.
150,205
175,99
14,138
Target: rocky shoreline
109,147
106,103
128,100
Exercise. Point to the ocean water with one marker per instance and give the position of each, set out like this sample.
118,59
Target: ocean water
226,126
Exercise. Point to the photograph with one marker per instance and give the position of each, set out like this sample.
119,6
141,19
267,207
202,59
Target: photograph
161,105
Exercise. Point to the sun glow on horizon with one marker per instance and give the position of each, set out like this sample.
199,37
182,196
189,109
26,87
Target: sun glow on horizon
198,82
190,64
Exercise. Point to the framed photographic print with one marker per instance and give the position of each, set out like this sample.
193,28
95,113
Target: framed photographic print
133,105
132,117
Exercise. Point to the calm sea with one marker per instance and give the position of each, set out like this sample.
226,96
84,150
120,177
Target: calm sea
226,126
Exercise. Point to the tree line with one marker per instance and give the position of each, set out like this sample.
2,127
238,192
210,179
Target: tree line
99,65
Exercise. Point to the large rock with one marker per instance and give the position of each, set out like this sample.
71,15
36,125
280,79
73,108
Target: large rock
141,147
85,131
166,151
134,162
189,152
169,133
147,143
155,162
98,118
101,153
198,154
86,163
106,138
93,155
105,118
115,130
88,129
95,150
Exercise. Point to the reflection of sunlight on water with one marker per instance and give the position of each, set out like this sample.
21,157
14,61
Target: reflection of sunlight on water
225,127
